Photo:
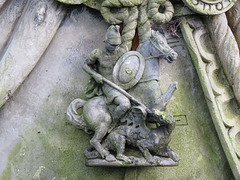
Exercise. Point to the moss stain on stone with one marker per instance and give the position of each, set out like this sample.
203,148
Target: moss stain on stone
7,173
57,146
123,163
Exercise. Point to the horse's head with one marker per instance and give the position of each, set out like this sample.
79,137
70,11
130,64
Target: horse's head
161,49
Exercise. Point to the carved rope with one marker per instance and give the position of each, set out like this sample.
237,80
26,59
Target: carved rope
127,13
154,13
129,28
227,50
150,10
131,16
144,26
233,16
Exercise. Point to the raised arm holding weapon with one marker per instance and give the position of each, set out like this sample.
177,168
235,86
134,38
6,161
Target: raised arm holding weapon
104,60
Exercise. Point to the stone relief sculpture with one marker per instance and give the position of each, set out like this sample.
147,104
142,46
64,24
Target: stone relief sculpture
209,7
139,17
126,121
222,102
119,69
16,65
233,16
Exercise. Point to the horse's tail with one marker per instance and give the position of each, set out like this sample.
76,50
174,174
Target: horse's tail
74,117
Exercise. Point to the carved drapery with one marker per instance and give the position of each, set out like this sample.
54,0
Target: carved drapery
8,19
27,43
233,16
2,2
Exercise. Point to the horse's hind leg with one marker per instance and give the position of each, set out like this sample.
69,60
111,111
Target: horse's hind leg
100,132
98,119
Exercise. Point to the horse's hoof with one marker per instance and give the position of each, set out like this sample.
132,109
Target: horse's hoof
124,158
150,159
110,158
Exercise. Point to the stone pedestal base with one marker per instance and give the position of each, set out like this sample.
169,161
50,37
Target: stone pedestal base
160,161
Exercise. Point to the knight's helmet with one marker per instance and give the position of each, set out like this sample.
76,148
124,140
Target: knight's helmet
113,35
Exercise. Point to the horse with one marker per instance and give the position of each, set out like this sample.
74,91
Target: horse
95,116
153,49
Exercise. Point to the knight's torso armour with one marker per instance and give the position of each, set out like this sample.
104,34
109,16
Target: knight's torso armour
105,62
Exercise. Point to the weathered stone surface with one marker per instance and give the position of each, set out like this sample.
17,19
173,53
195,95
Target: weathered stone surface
2,2
193,143
136,162
219,97
31,37
233,16
36,142
72,1
8,19
227,50
209,7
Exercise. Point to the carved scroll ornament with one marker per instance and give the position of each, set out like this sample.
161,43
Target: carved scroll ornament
220,99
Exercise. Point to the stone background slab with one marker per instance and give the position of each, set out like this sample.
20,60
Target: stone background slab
37,142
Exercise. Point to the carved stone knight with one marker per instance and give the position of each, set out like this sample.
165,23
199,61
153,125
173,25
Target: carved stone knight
105,59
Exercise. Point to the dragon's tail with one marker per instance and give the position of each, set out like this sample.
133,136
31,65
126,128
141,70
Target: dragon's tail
73,116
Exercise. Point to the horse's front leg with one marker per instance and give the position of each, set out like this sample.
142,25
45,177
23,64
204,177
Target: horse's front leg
165,98
143,147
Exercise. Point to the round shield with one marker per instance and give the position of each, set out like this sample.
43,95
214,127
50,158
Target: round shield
129,69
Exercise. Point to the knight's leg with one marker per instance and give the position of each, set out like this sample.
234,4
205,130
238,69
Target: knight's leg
123,105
